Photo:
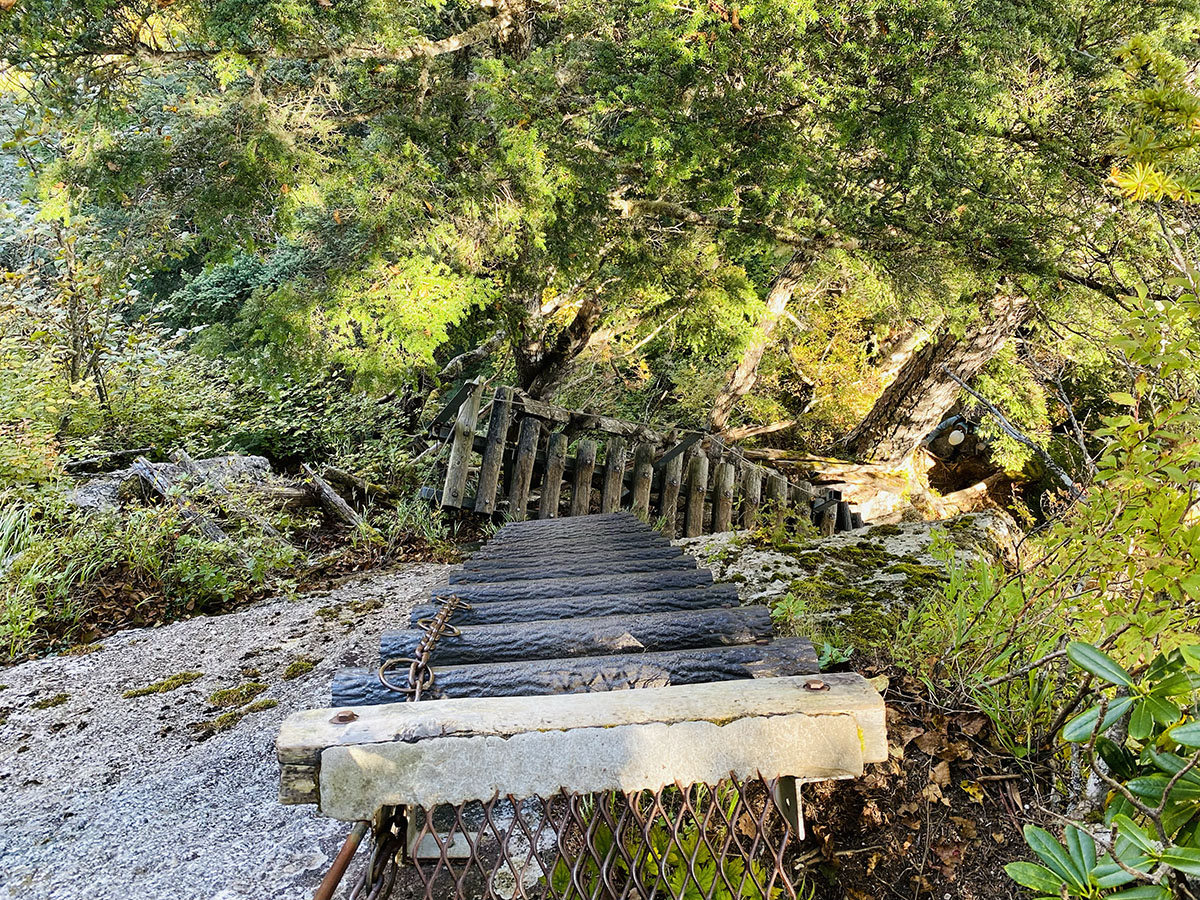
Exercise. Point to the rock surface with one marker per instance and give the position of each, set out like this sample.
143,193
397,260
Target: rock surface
115,798
103,492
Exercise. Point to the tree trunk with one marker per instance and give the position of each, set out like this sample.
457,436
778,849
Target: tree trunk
541,370
921,395
742,378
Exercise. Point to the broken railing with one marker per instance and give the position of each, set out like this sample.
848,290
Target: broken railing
535,459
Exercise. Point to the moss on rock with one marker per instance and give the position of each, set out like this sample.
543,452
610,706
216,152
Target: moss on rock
170,683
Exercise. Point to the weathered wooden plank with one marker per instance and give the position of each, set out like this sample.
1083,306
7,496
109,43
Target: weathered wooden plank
574,587
679,450
845,520
331,498
827,516
556,463
643,479
455,486
588,674
493,451
614,472
599,520
588,421
777,494
668,506
588,552
230,502
518,495
567,567
723,497
569,638
697,487
751,496
585,465
597,605
447,412
298,784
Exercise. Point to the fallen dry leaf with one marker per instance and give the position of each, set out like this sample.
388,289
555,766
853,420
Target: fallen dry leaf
966,827
940,774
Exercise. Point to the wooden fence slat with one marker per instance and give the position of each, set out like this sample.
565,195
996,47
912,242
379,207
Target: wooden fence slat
614,473
777,493
643,479
556,462
527,441
697,487
669,496
751,494
455,485
723,497
493,453
585,465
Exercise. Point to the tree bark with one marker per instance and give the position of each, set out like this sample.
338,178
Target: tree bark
742,378
541,371
921,394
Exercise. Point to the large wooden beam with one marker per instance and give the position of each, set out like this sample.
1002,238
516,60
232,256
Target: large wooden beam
455,487
566,567
556,464
522,479
574,587
585,465
786,656
697,489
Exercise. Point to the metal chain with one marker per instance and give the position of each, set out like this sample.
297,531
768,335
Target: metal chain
420,674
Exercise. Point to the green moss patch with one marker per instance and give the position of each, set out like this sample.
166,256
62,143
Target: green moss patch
298,667
178,680
236,696
226,721
52,701
879,531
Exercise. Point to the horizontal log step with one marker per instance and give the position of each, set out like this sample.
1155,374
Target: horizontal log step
567,638
479,562
569,544
599,520
491,592
786,656
717,595
568,567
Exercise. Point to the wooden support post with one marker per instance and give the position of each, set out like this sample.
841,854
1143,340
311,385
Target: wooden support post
827,520
556,462
751,494
614,474
331,498
777,493
527,441
643,478
845,520
493,453
723,497
455,487
697,487
669,496
585,465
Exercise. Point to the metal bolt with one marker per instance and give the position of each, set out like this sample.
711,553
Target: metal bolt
343,717
815,684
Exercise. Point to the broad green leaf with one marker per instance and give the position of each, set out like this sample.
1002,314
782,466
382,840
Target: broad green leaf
1098,663
1129,829
1054,855
1083,725
1081,847
1111,875
1141,721
1187,734
1185,859
1143,892
1034,877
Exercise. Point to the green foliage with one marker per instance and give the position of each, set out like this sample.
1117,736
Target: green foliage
1153,809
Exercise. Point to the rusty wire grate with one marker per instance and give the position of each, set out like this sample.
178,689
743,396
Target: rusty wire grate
729,841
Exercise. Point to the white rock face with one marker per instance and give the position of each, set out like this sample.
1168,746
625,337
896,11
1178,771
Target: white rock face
108,798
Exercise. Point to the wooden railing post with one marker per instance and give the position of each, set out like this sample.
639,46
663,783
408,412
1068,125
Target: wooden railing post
668,506
614,474
751,494
777,493
723,497
697,487
493,453
527,441
556,463
585,465
460,451
643,479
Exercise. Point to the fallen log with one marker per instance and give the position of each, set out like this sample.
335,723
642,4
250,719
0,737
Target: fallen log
787,656
569,567
330,498
717,595
573,587
162,485
358,487
564,638
103,461
184,460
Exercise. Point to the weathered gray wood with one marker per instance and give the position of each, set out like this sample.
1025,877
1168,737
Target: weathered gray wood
556,463
723,497
643,479
587,674
574,587
585,466
553,549
751,494
104,461
827,517
518,494
355,485
711,597
298,785
455,487
845,521
697,487
777,494
599,520
566,567
493,451
569,638
330,498
614,473
668,506
588,421
162,485
553,553
231,503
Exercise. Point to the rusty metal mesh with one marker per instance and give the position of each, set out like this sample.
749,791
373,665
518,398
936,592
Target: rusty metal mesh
729,841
